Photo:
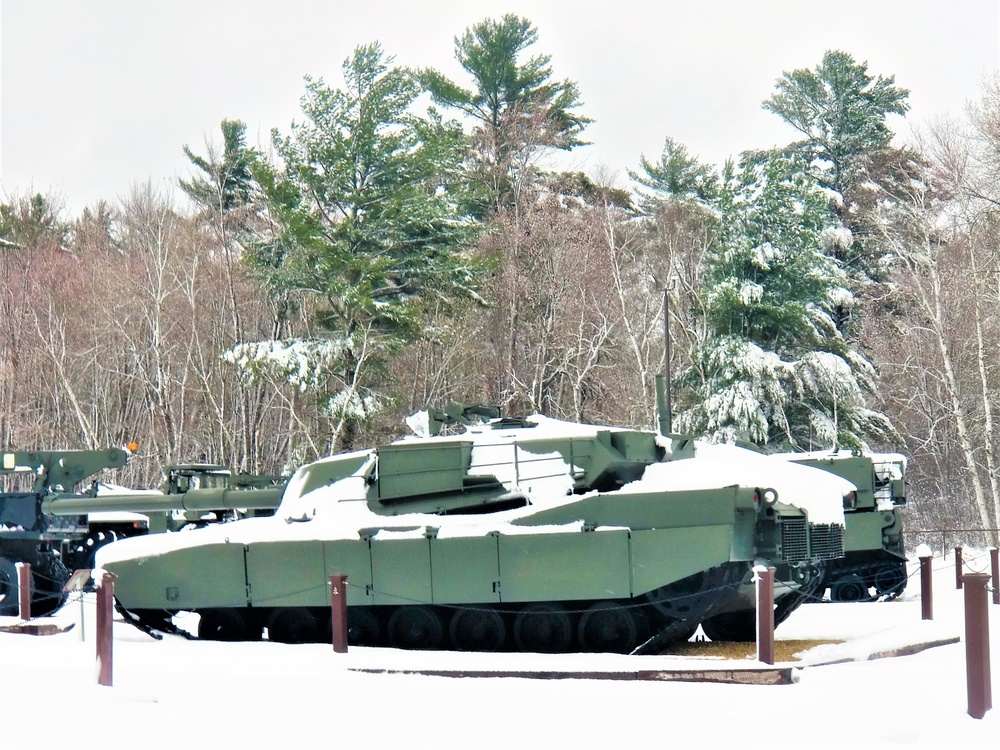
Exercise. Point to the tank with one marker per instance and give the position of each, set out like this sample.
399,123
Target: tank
514,534
874,562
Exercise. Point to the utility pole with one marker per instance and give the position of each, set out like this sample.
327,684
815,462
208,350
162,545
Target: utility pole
667,289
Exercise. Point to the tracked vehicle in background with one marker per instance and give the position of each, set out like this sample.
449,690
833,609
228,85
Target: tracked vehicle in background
874,558
874,562
526,534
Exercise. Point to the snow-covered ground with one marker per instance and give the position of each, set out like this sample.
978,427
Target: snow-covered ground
189,694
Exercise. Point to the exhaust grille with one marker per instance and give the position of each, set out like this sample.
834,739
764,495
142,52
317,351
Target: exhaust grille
826,541
804,541
794,540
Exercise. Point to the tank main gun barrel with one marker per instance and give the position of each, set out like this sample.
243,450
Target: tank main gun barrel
216,498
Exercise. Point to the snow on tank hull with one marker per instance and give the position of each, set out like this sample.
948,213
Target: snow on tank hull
533,536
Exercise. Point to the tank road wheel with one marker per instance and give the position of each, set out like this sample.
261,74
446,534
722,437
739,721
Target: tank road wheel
605,626
849,589
479,629
890,579
732,626
8,587
226,625
292,625
363,628
544,628
415,626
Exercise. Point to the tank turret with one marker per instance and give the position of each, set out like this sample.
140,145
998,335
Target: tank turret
528,534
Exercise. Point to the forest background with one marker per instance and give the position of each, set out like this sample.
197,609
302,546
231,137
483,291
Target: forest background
402,246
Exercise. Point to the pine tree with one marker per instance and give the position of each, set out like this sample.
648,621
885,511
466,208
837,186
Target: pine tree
773,368
842,112
515,105
225,181
367,224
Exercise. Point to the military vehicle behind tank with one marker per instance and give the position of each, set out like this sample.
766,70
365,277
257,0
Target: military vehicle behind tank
874,562
874,558
190,496
50,543
57,526
528,534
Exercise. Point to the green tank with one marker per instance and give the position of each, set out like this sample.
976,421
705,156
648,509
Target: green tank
874,562
523,534
874,559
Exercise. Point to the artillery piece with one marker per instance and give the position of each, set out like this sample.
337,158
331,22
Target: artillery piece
529,534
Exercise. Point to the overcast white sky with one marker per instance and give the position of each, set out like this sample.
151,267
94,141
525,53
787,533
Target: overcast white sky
98,95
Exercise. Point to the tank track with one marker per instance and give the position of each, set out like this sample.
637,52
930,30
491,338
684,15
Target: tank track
152,623
642,625
854,581
741,624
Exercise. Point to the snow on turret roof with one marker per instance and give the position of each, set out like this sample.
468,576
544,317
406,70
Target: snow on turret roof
537,427
843,453
819,493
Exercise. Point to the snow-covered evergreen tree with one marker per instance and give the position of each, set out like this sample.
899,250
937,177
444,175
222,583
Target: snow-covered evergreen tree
365,219
841,111
772,367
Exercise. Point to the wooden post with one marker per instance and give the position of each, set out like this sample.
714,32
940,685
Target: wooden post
958,567
926,591
105,607
977,645
338,612
23,590
765,615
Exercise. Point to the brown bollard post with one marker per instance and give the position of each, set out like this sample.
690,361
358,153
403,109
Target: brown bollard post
105,607
926,592
338,612
765,615
995,571
977,645
958,567
23,590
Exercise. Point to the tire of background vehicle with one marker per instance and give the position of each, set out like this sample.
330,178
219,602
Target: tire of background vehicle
8,587
849,589
49,576
890,579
